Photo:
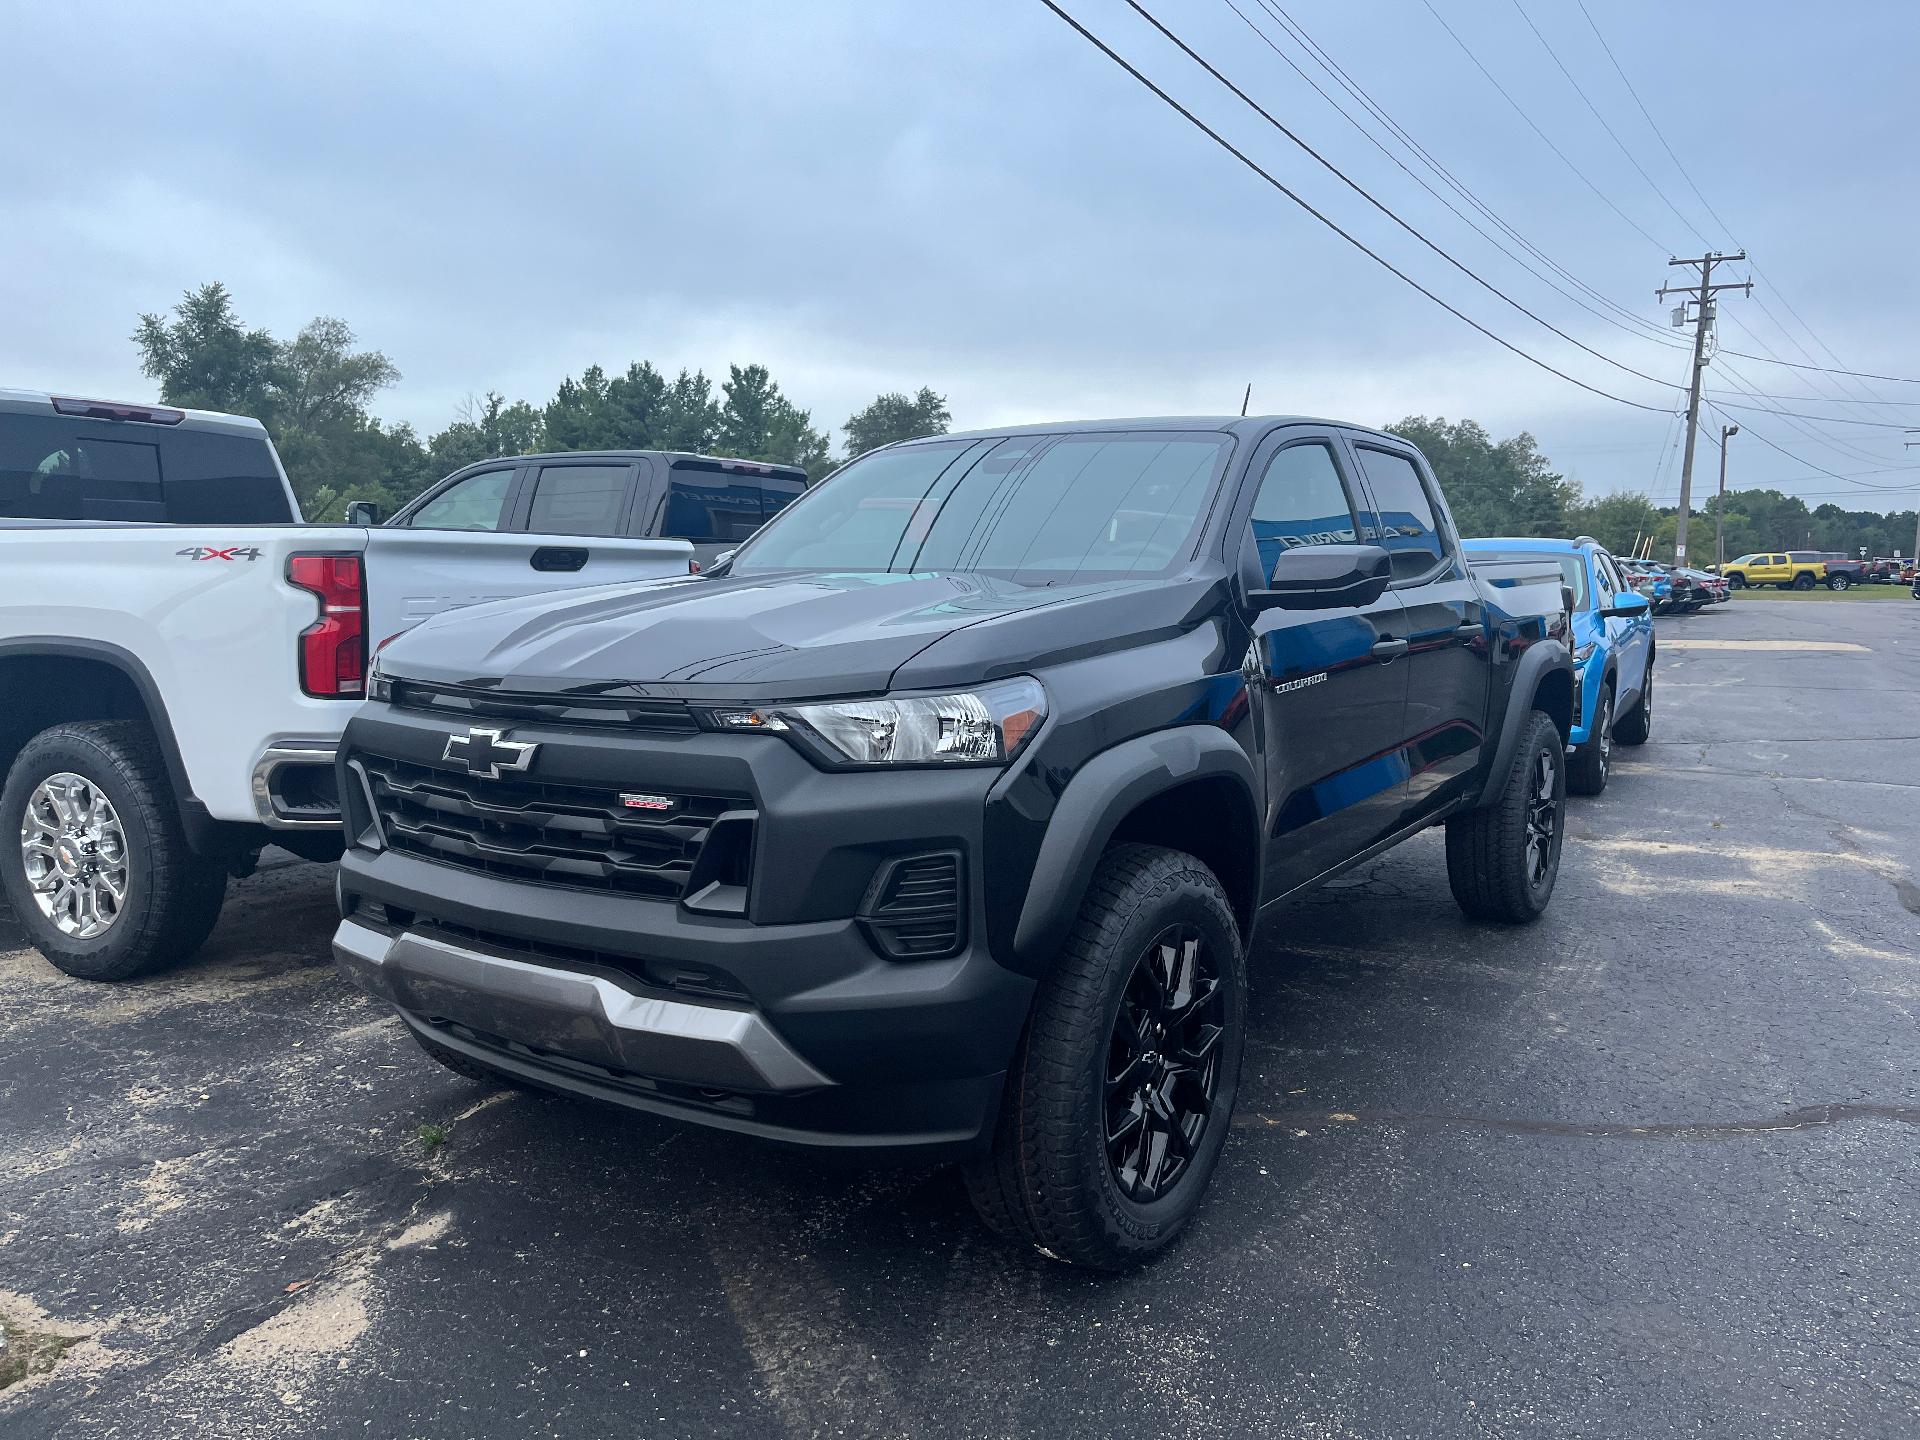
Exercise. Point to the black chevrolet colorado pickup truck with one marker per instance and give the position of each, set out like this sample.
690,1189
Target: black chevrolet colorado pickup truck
939,818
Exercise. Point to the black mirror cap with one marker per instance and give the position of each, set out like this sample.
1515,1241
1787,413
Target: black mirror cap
1326,577
363,512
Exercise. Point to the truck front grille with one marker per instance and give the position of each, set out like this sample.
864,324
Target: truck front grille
581,837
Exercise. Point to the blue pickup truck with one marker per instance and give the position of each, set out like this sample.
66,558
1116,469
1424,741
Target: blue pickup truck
1613,650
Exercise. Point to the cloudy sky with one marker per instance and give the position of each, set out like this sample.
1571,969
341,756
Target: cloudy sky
867,196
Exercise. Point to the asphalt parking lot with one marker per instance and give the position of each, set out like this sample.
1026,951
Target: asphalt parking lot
1647,1168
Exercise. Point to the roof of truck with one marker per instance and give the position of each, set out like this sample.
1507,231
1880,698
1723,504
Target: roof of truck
41,402
1231,424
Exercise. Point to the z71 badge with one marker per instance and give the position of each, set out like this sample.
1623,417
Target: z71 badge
220,552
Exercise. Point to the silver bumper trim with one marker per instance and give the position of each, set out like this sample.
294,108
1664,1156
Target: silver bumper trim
585,1017
289,752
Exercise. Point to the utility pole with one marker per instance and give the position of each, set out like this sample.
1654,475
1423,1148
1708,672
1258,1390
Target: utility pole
1916,519
1727,432
1702,296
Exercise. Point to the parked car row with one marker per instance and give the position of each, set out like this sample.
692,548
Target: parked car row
1675,589
936,819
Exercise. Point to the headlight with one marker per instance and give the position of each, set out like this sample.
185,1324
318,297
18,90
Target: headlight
1585,652
986,726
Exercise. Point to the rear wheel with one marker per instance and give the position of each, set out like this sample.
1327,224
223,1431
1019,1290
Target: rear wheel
1590,763
103,881
1803,581
1120,1098
1633,727
1503,858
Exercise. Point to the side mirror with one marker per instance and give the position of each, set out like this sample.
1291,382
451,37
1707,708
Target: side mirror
1325,577
1626,607
364,512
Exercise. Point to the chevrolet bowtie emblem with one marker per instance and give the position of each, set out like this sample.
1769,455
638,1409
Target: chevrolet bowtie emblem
488,753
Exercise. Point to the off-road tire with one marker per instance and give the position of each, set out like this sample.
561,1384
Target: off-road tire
465,1065
1803,581
1633,727
173,895
1048,1180
1489,858
1736,581
1591,763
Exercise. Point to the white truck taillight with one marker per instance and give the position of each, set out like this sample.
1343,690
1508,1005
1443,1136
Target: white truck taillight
333,650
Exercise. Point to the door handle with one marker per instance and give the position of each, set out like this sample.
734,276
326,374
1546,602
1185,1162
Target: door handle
555,557
1468,631
1389,650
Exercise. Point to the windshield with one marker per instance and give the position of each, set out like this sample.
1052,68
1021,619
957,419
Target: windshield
1573,569
1039,507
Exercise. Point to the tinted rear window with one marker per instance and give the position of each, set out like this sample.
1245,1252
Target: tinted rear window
1042,506
55,468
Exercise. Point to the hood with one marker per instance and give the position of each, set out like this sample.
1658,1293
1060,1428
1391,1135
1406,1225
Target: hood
768,637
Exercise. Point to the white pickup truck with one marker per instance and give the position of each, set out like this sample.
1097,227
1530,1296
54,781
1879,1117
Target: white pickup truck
173,683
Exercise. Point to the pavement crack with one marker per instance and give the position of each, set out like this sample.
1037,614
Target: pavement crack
1807,1117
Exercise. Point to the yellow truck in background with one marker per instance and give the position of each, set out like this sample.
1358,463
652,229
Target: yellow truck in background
1795,570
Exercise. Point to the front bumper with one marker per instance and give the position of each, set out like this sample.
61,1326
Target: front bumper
782,1015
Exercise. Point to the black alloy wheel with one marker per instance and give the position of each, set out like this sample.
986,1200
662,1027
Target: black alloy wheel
1163,1063
1543,818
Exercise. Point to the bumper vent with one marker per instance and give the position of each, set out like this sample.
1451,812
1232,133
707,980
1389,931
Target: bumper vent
915,908
576,836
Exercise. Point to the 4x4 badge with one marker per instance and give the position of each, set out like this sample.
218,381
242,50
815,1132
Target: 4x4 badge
488,753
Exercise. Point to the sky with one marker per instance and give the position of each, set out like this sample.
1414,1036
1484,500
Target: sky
868,196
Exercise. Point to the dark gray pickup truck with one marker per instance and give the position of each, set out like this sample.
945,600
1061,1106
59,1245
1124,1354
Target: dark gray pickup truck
939,820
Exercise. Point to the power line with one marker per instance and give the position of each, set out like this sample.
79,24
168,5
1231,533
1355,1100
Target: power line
1554,55
1651,125
1360,190
1357,244
1534,126
1642,327
1421,181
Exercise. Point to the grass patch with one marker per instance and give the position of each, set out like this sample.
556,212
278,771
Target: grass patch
29,1352
432,1137
1857,592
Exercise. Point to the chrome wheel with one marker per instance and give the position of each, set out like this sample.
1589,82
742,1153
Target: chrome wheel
75,854
1163,1063
1543,819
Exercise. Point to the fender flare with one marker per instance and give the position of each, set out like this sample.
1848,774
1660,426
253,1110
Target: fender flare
1537,661
1098,797
100,652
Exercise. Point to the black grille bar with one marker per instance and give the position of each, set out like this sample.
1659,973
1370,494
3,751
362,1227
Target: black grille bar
467,702
577,836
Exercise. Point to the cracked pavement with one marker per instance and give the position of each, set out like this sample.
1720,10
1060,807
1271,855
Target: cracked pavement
1648,1168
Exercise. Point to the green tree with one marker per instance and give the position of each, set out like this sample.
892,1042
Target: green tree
1618,522
486,428
1508,488
894,416
757,422
204,358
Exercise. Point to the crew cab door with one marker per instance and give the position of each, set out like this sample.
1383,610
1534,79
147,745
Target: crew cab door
1448,665
1328,696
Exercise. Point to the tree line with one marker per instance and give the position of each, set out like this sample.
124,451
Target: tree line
314,392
